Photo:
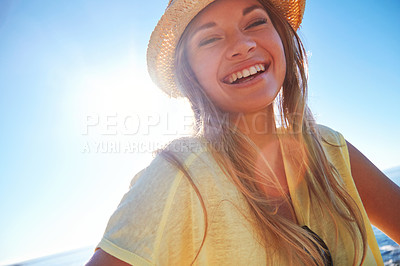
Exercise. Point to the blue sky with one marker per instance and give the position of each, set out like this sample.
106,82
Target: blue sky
76,102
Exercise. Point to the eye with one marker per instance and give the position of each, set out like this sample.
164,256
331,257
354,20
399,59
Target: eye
208,41
256,23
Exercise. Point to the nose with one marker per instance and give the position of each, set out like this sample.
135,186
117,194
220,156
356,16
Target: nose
241,45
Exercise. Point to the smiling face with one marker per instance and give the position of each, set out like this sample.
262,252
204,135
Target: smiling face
237,55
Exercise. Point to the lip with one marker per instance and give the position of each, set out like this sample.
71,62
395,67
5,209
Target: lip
225,80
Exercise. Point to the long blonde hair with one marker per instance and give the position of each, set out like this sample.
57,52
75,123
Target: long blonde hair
236,154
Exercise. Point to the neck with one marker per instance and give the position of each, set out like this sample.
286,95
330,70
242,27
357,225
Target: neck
259,126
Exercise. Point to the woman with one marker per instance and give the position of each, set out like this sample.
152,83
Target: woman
260,183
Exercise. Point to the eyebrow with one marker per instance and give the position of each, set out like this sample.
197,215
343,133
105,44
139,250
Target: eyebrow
208,25
204,27
249,9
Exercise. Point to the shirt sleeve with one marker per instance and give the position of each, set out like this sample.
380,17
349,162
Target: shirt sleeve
159,221
134,230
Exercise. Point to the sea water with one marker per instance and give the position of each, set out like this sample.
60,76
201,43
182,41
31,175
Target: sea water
389,249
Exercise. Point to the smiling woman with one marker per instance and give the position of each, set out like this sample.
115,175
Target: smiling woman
259,182
219,45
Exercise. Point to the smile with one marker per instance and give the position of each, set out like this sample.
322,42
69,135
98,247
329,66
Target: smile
244,74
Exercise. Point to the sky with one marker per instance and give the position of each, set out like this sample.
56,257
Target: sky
80,116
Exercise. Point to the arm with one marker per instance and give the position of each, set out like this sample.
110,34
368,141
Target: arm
101,257
380,195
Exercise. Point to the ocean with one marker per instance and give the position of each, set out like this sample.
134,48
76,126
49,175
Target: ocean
389,249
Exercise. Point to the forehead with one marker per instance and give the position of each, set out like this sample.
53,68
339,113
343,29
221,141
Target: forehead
220,7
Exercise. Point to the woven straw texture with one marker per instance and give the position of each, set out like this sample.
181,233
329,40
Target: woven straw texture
165,37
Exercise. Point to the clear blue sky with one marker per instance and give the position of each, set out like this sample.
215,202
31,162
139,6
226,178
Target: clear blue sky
65,65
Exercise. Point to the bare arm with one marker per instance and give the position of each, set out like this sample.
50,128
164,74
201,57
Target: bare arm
380,195
101,257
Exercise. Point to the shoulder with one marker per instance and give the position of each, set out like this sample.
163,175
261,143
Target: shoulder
191,153
194,171
330,136
163,177
334,145
335,148
185,150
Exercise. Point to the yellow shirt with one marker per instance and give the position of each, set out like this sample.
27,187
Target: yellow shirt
160,220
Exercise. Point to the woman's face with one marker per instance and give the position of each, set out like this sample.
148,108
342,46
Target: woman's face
237,55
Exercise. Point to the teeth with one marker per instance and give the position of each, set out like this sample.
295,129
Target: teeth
234,77
246,72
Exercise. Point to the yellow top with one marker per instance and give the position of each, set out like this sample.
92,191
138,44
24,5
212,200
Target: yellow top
160,220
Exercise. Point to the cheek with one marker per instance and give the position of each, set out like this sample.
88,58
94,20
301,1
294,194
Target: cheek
281,59
205,68
283,68
273,44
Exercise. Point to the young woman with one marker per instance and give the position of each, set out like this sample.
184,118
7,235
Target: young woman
260,183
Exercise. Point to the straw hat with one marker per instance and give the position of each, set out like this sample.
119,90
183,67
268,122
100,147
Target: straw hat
179,13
